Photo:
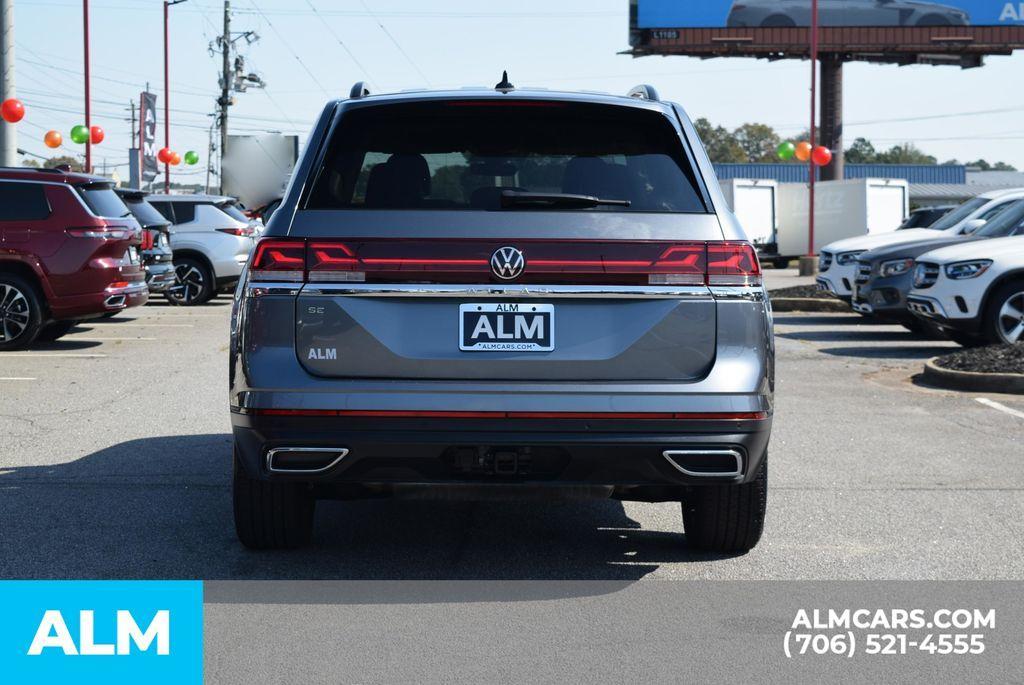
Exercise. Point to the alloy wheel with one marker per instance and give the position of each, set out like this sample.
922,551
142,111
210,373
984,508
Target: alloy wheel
1010,322
15,312
190,283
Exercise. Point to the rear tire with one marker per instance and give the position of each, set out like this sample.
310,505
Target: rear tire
21,313
195,283
727,518
271,515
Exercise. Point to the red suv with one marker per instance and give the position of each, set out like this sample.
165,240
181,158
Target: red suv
68,251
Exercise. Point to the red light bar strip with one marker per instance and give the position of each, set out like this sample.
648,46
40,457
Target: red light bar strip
644,416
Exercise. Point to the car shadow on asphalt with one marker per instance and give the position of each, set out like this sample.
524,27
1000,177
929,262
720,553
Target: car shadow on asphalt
901,352
851,319
871,335
65,344
160,507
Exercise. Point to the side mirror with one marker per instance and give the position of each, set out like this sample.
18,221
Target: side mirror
972,225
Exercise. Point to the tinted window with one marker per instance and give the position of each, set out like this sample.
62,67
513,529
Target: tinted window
146,213
23,202
463,154
164,208
184,212
102,200
233,211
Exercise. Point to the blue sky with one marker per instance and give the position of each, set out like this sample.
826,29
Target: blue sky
570,44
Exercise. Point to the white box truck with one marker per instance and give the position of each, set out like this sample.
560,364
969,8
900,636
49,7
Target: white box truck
754,201
842,209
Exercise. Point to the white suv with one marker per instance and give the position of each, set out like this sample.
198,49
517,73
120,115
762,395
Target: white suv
973,291
211,239
837,262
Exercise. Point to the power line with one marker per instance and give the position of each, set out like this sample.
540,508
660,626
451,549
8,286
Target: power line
291,50
342,44
388,34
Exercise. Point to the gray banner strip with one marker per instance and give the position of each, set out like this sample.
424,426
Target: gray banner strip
594,631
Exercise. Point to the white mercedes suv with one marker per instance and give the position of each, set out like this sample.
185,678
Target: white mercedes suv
973,291
837,263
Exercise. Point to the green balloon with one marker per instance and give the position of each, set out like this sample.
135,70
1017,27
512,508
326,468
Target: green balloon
191,157
786,150
80,134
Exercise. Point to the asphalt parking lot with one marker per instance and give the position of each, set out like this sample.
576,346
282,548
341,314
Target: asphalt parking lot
116,463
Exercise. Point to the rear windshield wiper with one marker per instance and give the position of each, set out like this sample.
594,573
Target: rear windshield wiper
515,198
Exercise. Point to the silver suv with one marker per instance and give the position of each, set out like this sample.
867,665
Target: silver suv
211,239
502,293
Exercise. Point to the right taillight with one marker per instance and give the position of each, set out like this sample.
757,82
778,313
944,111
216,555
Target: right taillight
733,263
279,260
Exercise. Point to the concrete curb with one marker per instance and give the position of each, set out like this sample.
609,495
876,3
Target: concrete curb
972,380
808,304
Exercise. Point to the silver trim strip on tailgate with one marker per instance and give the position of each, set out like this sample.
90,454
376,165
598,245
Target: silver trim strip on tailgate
501,290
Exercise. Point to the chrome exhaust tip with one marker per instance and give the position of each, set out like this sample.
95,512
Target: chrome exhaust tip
304,459
706,463
114,301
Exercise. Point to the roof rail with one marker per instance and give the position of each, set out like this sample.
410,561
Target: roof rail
644,92
359,90
31,169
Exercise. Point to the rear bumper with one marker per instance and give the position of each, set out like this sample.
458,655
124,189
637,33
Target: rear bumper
625,457
90,305
160,276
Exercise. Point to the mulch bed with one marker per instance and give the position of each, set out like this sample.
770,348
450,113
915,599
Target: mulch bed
991,359
801,291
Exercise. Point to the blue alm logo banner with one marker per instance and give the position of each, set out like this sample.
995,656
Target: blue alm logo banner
86,632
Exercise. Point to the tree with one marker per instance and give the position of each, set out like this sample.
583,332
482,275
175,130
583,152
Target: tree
758,142
721,145
861,152
54,162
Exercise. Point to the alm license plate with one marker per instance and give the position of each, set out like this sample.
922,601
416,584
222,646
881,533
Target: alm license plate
506,327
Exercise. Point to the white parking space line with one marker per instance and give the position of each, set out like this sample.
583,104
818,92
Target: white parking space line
151,325
1000,407
89,338
65,355
16,378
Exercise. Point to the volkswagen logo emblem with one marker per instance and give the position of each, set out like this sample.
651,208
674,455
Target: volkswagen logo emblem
507,263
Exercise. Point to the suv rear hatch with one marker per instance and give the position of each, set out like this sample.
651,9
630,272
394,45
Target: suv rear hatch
506,239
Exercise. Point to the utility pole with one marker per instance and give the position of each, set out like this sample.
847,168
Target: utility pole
226,77
88,119
8,132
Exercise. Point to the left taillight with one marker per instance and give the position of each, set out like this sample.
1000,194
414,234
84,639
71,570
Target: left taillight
278,260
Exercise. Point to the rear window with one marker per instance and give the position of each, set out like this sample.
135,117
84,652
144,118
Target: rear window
146,213
463,154
233,211
102,200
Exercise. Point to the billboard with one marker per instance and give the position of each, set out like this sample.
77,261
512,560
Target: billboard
653,14
958,32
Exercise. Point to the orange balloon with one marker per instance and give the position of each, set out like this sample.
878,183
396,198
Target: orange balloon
175,159
803,151
53,139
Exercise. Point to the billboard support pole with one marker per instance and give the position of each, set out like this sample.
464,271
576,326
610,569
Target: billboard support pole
830,132
814,95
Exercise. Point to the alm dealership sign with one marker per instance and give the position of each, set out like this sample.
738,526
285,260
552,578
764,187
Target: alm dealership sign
791,13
